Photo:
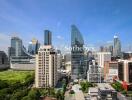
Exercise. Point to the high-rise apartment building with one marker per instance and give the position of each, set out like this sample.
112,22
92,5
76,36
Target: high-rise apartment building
125,70
77,53
47,37
94,72
102,57
46,67
59,59
117,47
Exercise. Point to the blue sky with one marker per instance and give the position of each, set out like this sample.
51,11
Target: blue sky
97,20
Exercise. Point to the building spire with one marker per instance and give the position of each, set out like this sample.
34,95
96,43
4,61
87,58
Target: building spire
116,36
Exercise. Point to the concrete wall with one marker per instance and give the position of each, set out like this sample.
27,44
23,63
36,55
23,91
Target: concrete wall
17,66
4,66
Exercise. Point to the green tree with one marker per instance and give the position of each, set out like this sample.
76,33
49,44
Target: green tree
43,92
117,86
60,95
3,84
26,98
85,86
16,96
34,94
64,87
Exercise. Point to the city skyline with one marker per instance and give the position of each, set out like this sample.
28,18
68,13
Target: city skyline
30,18
65,50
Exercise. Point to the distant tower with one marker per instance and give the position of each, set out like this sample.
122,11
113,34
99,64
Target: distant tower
33,46
47,37
16,46
17,49
117,46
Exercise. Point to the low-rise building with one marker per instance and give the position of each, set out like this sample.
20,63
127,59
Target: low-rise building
110,70
4,63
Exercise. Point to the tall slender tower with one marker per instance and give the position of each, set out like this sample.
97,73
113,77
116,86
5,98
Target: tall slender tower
77,53
117,46
47,37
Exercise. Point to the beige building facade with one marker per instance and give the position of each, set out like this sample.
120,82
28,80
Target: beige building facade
46,67
102,57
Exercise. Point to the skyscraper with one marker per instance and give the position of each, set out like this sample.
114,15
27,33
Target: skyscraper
33,46
16,46
117,47
77,53
47,37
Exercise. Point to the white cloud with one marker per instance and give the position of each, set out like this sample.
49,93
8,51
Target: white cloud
59,37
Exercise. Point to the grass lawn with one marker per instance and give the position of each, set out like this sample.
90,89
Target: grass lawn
13,76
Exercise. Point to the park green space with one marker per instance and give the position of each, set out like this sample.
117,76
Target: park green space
18,85
13,76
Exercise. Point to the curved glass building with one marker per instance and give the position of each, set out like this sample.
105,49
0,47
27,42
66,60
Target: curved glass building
19,58
77,53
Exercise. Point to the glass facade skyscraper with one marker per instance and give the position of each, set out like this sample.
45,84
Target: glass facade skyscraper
33,46
47,37
17,49
16,46
117,47
77,53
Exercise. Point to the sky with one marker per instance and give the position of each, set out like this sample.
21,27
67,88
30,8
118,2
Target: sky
97,20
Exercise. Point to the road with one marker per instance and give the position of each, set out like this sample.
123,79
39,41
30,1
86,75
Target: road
78,93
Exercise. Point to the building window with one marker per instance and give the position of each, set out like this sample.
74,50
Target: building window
130,72
121,71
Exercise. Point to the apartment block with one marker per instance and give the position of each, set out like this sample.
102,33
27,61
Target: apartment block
46,67
125,70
